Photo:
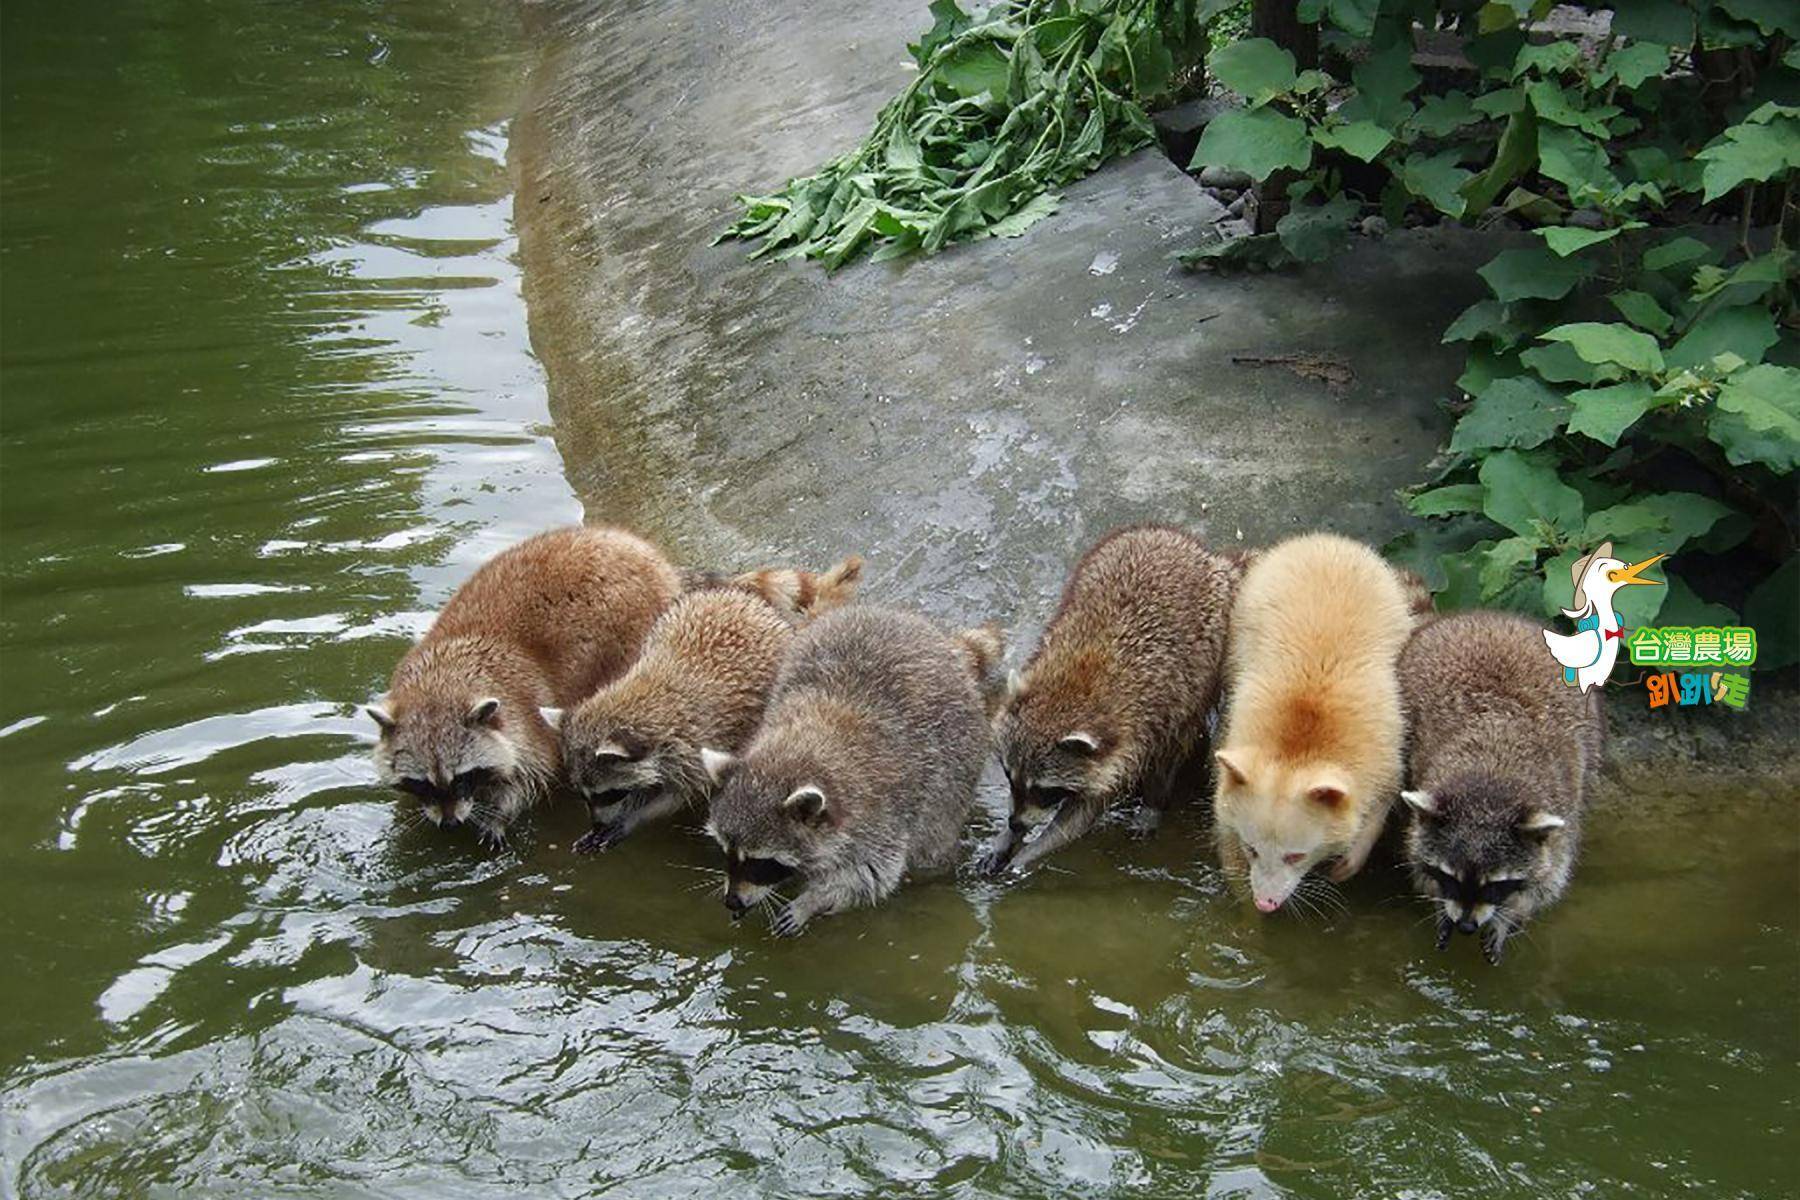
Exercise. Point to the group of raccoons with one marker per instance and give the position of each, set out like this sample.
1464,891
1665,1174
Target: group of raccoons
836,747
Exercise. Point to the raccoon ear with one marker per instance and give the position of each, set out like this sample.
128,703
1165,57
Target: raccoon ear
1231,768
381,717
614,752
1423,803
483,712
806,804
1539,823
552,716
718,764
1079,742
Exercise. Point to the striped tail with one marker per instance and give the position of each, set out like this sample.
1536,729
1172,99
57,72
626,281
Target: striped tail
804,593
983,648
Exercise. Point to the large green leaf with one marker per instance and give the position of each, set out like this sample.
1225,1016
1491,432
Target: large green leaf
1439,116
1258,142
1567,239
1383,81
1747,331
1516,153
1757,417
1532,273
1668,520
1769,16
1558,363
1438,179
1354,17
1520,411
1362,139
1633,64
1750,152
1525,495
1605,413
1773,610
1668,22
1554,104
1312,233
1676,252
1445,501
1576,161
1255,68
1490,319
1642,310
1611,342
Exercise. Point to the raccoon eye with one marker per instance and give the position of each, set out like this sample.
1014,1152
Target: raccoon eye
416,787
472,779
1443,879
1293,859
1500,889
1050,797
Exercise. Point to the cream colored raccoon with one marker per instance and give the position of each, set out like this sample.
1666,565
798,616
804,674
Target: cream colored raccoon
1309,759
541,624
632,749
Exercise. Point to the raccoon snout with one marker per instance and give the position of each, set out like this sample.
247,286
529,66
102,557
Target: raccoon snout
1466,924
737,904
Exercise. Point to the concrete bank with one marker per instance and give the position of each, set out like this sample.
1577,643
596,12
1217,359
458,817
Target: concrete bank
967,422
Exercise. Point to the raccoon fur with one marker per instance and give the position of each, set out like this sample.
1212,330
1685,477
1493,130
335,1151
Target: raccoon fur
1501,758
864,767
795,592
632,749
1309,757
1115,699
541,624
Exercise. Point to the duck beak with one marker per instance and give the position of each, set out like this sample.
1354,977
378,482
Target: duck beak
1631,574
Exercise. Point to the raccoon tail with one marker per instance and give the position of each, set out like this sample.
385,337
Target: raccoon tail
1418,597
983,648
803,593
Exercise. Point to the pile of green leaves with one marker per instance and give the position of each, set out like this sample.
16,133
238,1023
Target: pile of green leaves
1004,110
1626,379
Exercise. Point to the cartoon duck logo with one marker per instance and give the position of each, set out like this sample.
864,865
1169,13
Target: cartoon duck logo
1588,654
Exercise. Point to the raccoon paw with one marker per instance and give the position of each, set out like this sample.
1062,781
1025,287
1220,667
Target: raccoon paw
1445,928
1493,949
993,864
787,922
1144,824
598,838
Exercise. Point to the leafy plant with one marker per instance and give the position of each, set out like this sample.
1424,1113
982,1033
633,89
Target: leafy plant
1005,109
1624,381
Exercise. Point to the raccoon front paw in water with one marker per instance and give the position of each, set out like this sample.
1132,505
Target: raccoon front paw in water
1493,947
1144,823
789,922
599,838
1445,928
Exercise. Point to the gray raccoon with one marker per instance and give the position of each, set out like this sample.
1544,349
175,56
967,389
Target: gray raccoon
1115,698
632,749
864,768
1501,759
540,624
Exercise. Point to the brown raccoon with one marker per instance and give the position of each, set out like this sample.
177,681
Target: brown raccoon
632,749
795,592
1501,758
1309,757
1115,698
864,767
541,624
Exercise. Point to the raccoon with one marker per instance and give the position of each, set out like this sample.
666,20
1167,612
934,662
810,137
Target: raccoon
632,749
1501,758
542,623
793,591
1310,757
1115,699
864,768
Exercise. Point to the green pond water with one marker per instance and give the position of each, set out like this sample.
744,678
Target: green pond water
267,396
